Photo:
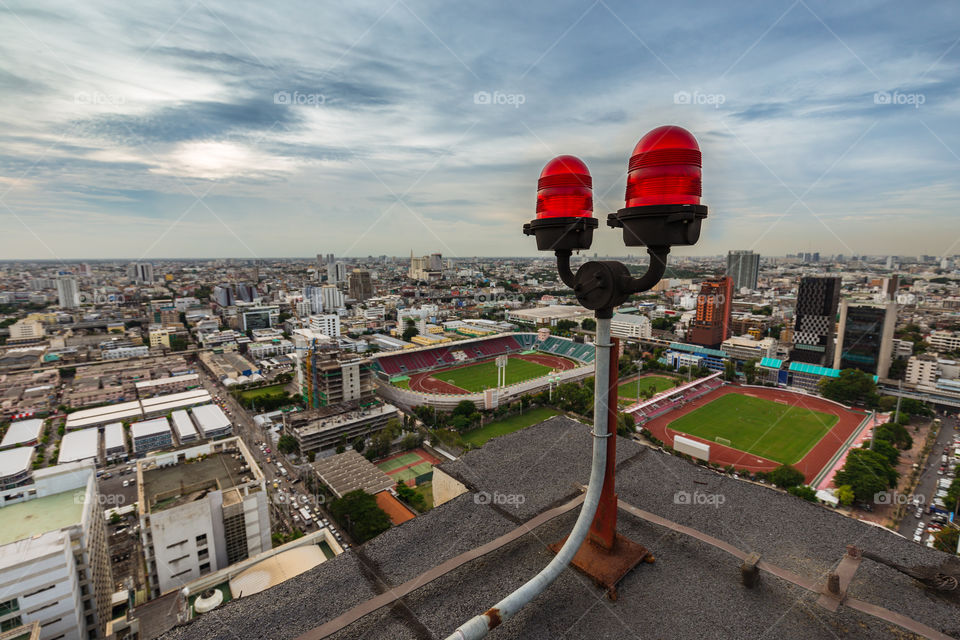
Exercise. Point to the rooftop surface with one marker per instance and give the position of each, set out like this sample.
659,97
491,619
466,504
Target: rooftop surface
693,590
14,461
40,515
349,471
168,487
149,427
22,431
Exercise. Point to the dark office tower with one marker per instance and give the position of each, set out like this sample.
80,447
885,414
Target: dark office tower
711,325
744,268
816,315
865,337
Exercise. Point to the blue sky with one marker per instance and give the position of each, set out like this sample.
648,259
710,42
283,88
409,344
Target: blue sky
214,129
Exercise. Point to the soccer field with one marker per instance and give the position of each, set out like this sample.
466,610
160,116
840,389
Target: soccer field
628,391
477,377
779,432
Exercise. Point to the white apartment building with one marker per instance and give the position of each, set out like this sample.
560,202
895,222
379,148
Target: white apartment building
328,324
923,370
945,340
201,509
746,348
54,566
624,325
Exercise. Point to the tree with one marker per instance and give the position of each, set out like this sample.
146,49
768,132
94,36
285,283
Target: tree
898,369
464,408
851,387
411,497
786,476
729,371
887,450
626,426
358,513
564,326
803,491
359,444
409,332
115,518
589,324
868,473
342,444
894,433
750,371
845,495
946,539
288,444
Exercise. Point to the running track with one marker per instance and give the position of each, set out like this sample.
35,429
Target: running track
810,465
426,382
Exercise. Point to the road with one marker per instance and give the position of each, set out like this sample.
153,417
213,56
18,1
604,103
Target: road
927,486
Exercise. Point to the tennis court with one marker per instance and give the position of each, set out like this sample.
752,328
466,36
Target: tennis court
398,462
406,467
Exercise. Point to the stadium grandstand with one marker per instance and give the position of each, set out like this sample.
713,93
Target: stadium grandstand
669,400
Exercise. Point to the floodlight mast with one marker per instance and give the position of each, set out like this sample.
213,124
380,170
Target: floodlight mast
663,209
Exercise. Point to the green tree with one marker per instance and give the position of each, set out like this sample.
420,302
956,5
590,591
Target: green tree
411,497
805,492
342,444
358,513
851,387
868,473
409,332
729,370
288,444
750,371
946,539
115,518
564,326
359,444
626,425
786,476
887,450
589,324
845,495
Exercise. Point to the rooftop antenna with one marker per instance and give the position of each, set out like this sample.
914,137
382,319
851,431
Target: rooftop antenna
662,209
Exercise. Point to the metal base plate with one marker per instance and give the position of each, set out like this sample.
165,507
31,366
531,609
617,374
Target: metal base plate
608,566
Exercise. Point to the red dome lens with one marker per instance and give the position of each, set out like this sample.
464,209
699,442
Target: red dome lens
565,189
665,169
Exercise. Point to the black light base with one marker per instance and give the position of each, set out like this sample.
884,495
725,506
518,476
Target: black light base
659,225
562,234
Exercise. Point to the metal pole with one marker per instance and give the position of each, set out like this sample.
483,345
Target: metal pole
479,626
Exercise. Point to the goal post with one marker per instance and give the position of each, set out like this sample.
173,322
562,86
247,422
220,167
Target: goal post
724,441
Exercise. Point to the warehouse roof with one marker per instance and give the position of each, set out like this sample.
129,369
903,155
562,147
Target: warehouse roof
22,432
83,444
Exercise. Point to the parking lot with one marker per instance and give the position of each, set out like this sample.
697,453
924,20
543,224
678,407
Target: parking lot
921,521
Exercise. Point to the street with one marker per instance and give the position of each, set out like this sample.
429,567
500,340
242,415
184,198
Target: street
927,486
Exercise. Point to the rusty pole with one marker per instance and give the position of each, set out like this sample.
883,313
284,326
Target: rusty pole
603,529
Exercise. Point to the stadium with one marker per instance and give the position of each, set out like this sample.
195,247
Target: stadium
443,376
751,428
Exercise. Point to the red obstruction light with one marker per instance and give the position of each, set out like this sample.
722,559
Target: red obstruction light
665,169
565,189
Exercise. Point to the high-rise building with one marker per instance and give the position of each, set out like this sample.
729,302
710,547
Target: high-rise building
865,337
327,376
68,296
744,267
436,262
203,509
140,272
711,325
54,563
361,286
816,314
336,272
223,295
328,324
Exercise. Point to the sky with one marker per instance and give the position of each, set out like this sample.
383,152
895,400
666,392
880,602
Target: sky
284,129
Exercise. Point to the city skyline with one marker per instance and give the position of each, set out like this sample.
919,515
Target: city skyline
207,132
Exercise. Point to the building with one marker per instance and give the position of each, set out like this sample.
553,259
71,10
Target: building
923,370
120,353
816,313
327,377
944,341
625,325
212,421
53,555
201,509
744,348
865,337
328,324
258,317
80,445
711,325
336,272
26,331
321,430
140,272
183,425
15,467
692,355
902,348
68,296
361,286
114,442
744,267
22,433
150,435
547,316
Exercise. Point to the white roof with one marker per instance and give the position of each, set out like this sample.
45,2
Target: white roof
21,432
146,384
14,461
149,427
79,445
101,415
183,424
210,417
113,436
192,396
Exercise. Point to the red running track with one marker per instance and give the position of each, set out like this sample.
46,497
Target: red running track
426,382
810,465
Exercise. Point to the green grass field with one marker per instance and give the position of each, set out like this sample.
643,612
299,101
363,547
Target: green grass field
263,391
426,490
779,432
508,425
483,375
628,390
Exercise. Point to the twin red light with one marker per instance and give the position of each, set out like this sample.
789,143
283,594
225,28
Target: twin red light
665,169
565,189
